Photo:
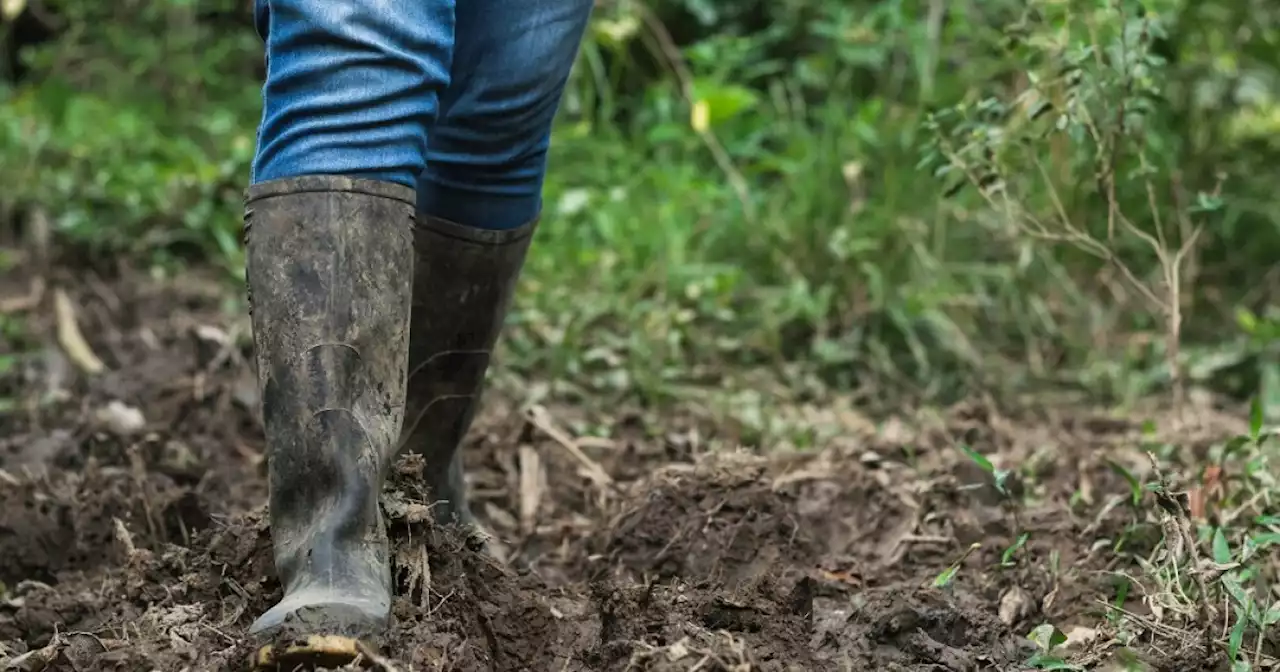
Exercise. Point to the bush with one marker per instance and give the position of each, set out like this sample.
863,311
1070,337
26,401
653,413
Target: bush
781,187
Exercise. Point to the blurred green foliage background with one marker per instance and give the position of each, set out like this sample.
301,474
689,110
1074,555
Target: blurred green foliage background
759,203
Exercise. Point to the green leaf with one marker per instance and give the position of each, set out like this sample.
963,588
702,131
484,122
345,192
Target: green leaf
1135,486
1236,591
978,459
945,576
1122,592
1247,321
1046,636
1206,203
724,101
1221,548
1272,616
1236,638
1255,418
1001,480
1265,539
1235,444
1006,558
1270,395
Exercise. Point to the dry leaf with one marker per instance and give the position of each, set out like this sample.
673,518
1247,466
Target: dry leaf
1079,637
531,487
10,9
70,338
1015,605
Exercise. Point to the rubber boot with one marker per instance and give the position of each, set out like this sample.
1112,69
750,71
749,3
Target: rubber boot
463,282
329,267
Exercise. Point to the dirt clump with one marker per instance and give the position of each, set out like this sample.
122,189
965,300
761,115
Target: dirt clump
921,629
169,604
719,520
73,520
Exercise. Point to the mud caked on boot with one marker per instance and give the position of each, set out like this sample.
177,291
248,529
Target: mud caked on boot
464,278
329,267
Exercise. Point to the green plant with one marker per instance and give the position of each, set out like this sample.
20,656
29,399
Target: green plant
1232,569
1047,637
1086,108
1000,480
734,193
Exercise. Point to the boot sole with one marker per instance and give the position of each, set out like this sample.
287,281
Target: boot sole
324,651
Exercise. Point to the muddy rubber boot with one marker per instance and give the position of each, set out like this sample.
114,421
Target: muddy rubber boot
329,267
463,282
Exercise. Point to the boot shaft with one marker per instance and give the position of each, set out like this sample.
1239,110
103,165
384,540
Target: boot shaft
464,279
329,270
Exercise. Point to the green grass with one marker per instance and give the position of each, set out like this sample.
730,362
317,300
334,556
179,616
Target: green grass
1206,580
803,236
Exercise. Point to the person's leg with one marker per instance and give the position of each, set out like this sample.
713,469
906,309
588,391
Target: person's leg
487,154
351,86
478,201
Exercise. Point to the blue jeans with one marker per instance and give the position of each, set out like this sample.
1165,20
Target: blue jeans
455,99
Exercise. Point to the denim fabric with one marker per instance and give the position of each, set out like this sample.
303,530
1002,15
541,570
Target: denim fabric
453,97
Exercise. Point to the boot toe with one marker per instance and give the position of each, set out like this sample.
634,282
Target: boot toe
317,612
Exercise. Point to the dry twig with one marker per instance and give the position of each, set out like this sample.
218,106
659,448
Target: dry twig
542,420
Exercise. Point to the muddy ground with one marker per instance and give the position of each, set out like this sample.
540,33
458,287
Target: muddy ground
132,534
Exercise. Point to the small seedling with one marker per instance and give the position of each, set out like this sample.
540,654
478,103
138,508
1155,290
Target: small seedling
999,477
1047,637
1000,480
944,578
1006,558
1135,485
